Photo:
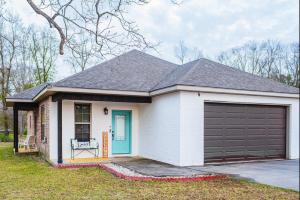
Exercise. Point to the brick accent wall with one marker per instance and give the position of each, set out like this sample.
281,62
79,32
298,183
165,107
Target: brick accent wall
43,145
30,123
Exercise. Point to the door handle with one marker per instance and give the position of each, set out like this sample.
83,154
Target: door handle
113,135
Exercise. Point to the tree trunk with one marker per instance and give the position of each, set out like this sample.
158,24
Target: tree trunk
6,126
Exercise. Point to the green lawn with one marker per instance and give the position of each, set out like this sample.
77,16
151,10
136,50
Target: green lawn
25,177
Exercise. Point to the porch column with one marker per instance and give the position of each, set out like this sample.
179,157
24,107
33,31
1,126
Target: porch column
16,128
59,131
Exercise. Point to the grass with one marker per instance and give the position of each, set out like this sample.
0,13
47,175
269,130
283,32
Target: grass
28,177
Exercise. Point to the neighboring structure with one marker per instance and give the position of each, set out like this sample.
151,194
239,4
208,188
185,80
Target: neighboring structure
200,112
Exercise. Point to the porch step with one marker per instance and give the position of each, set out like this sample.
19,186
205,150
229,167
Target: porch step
85,160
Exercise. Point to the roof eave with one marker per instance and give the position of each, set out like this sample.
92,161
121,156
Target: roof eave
97,91
175,88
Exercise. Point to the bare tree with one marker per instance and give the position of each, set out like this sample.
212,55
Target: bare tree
9,35
106,21
270,59
292,64
83,53
270,50
44,54
197,53
23,73
181,51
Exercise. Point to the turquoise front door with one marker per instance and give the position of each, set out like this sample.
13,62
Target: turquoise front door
121,132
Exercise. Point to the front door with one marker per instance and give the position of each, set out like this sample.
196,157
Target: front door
121,132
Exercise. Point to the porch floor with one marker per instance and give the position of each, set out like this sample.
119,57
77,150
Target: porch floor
23,150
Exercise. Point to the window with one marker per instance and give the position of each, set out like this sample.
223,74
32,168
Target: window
82,122
30,121
43,124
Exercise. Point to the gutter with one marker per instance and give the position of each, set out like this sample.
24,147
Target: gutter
221,91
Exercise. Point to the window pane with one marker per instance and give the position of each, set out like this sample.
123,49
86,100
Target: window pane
78,117
82,115
85,117
86,109
120,127
82,132
42,132
42,114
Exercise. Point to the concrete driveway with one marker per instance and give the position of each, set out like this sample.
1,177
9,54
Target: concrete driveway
280,173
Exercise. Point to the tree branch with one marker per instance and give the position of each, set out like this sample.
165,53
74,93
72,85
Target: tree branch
51,22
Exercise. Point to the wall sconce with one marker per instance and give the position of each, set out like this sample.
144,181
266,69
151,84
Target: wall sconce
105,110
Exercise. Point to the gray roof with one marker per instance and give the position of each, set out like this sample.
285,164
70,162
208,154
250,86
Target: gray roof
30,93
138,71
207,73
132,71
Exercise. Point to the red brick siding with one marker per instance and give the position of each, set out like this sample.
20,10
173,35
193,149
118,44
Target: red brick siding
43,146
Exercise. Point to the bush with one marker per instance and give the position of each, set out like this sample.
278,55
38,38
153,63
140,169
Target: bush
25,131
4,138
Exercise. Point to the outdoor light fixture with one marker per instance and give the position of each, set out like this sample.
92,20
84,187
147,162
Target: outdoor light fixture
105,111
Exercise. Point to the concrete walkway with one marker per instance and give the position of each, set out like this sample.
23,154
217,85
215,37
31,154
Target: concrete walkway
158,169
280,173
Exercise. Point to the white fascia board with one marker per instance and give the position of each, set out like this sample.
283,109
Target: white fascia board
40,94
96,91
221,90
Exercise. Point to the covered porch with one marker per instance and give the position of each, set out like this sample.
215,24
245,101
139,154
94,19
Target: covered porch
93,128
27,144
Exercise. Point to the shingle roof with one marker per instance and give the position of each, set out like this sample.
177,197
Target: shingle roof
207,73
30,93
132,71
138,71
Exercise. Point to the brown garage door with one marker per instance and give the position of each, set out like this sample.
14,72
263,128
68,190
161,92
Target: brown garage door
243,132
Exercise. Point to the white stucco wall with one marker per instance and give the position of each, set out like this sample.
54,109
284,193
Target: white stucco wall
99,123
191,120
160,129
53,131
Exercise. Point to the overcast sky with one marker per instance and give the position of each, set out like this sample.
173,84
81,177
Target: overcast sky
209,25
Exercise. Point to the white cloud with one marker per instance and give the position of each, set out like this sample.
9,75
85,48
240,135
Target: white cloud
210,25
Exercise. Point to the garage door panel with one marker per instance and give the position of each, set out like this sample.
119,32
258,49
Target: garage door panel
214,121
233,121
243,132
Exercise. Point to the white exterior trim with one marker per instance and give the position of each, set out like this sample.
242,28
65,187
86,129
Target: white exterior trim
176,88
221,90
96,91
40,94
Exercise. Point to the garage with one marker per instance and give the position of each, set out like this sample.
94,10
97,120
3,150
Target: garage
234,132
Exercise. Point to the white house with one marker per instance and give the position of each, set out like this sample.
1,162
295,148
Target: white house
185,115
